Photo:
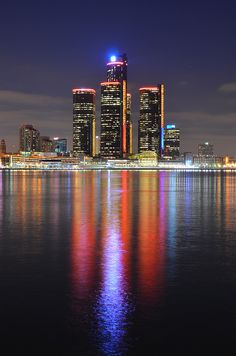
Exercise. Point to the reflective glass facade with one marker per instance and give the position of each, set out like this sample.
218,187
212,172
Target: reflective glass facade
3,148
117,72
129,141
205,149
29,139
83,122
60,145
45,144
172,142
110,140
151,130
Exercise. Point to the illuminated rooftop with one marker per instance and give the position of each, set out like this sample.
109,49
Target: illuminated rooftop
84,90
110,83
115,63
148,88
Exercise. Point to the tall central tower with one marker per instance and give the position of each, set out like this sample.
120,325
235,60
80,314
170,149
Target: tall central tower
111,125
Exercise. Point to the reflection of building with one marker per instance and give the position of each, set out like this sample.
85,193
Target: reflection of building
83,122
172,142
3,148
151,235
151,122
29,138
60,145
205,149
45,144
115,108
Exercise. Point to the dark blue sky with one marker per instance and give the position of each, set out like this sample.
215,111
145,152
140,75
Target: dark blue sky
48,47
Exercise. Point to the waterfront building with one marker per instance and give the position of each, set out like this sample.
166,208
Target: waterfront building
205,149
3,148
42,160
172,142
84,122
45,144
110,146
59,145
208,161
188,159
116,73
97,145
29,138
146,158
129,128
151,122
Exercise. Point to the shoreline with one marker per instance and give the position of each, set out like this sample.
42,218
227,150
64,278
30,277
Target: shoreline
158,169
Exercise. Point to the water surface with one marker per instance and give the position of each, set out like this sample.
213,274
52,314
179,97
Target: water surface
116,263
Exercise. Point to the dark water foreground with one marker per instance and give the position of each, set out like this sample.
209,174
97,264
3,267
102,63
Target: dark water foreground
116,263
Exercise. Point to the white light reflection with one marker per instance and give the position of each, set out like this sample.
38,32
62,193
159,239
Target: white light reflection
113,305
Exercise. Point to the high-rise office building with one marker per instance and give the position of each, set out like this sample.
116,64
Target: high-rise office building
116,73
117,69
205,149
83,122
45,144
129,128
29,139
3,147
97,145
110,141
59,145
172,142
151,122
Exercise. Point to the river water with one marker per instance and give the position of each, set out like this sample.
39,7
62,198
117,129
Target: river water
116,263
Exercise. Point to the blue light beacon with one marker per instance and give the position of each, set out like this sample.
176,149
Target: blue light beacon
113,58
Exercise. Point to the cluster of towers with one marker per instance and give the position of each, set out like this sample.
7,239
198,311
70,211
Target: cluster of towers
30,140
116,124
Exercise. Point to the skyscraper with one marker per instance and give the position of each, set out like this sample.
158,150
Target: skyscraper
60,145
45,144
129,128
97,145
117,70
116,73
110,144
3,148
172,142
29,139
151,122
83,122
205,149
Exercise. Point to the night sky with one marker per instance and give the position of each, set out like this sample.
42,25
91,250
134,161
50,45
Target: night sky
49,47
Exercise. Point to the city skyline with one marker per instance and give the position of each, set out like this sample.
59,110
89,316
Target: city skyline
199,79
85,109
117,177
